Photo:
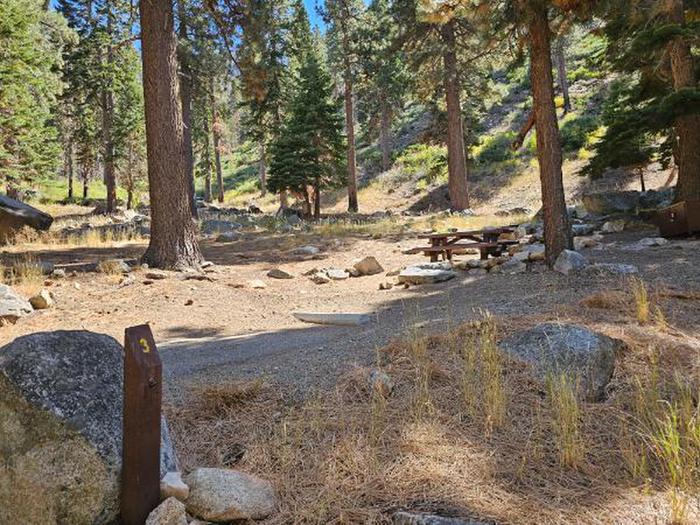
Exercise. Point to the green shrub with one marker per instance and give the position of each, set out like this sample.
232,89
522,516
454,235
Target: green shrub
424,161
495,148
575,131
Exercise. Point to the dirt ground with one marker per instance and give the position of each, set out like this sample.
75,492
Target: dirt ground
224,328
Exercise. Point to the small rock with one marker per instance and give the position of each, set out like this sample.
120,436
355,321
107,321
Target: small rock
257,284
386,285
580,230
615,226
146,282
42,300
12,305
222,496
156,275
189,302
172,486
206,264
170,512
336,274
427,273
536,252
569,261
307,250
648,242
339,319
613,268
227,237
512,267
381,382
320,278
581,243
277,273
411,518
367,266
58,273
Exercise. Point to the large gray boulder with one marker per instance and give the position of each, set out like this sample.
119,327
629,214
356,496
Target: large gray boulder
611,202
413,518
12,305
14,215
61,429
553,348
569,261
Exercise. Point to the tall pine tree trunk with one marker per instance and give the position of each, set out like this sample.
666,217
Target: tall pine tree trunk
216,134
262,169
557,230
687,126
107,103
349,116
186,101
207,162
69,168
173,242
385,134
317,200
456,156
561,73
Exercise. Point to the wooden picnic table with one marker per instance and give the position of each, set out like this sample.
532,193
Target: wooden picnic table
445,243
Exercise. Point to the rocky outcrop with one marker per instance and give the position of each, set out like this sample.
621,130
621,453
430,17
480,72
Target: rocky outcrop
61,429
571,349
15,215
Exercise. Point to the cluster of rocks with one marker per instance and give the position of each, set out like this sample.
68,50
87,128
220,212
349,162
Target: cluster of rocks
13,305
61,433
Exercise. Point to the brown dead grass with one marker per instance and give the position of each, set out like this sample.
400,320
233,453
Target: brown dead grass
353,456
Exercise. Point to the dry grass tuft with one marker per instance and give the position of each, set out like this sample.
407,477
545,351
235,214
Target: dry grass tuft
563,390
641,301
607,300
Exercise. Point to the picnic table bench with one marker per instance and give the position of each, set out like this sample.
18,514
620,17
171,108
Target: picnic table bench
487,241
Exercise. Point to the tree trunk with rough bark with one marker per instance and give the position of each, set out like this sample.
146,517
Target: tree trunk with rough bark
186,101
107,103
385,134
206,154
349,119
69,168
262,170
561,73
173,242
216,136
317,201
557,230
456,155
687,126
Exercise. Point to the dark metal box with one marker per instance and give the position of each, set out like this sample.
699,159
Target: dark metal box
682,218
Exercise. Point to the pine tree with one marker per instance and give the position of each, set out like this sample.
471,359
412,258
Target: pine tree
308,152
658,110
343,17
30,58
173,242
384,79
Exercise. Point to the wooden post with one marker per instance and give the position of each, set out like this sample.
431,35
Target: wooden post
141,432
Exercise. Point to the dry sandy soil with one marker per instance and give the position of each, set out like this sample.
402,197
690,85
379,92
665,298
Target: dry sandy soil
225,328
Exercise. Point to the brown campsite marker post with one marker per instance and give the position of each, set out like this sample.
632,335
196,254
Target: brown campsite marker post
141,432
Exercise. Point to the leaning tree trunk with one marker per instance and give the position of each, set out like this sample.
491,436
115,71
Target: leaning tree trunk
561,73
557,230
186,101
385,134
456,156
173,241
687,126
